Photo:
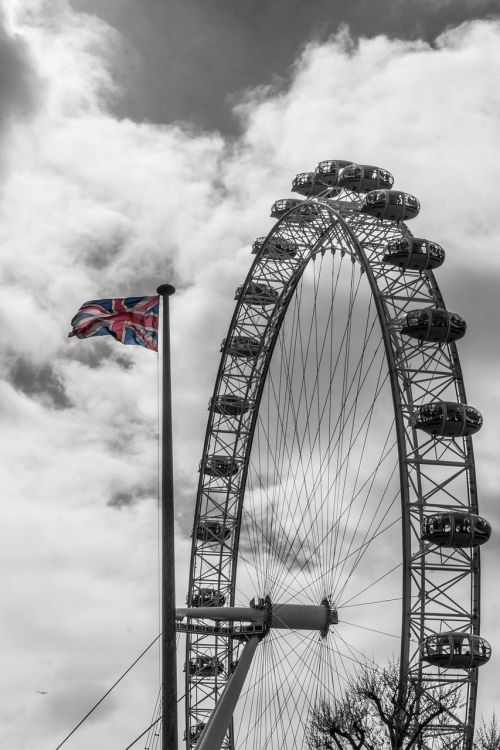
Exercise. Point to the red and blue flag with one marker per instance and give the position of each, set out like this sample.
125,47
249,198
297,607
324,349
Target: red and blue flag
131,320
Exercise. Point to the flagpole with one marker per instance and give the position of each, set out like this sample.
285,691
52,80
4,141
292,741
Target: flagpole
168,650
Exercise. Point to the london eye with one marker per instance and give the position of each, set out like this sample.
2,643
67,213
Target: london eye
337,518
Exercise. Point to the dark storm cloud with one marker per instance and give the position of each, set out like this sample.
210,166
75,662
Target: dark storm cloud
40,381
98,353
125,498
19,82
65,702
99,253
483,321
187,59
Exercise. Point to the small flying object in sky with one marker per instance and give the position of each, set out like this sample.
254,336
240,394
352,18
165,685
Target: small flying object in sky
42,692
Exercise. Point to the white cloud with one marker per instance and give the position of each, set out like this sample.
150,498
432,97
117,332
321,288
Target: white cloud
92,206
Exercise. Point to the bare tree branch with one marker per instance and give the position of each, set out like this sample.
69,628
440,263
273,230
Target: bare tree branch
377,711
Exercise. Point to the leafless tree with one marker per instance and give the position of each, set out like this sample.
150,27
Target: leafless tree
488,735
377,712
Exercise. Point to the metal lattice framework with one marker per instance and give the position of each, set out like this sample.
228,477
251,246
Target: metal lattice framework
437,587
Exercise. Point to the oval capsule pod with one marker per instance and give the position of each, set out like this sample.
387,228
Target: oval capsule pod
455,650
414,254
242,346
361,178
230,405
207,598
328,171
455,529
212,530
308,183
304,210
276,248
447,419
220,466
433,324
283,205
204,666
257,294
392,205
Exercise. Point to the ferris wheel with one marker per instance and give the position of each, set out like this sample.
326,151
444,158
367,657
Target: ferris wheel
336,518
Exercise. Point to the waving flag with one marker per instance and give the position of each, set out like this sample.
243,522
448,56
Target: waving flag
131,320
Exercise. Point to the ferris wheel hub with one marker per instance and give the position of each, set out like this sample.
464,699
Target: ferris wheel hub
264,615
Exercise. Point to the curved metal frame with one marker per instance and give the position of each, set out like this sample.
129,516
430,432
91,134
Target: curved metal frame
435,473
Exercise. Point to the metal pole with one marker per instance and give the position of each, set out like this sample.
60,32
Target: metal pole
213,735
168,649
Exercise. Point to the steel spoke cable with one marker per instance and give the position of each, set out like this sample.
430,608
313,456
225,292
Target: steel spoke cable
298,467
321,403
373,583
275,509
320,350
337,493
297,441
320,669
376,601
345,659
264,535
304,474
152,734
358,656
327,549
142,734
360,428
325,463
344,656
284,501
108,691
361,512
296,593
324,685
364,548
288,374
299,689
373,630
271,668
289,680
309,398
303,643
365,439
345,510
253,567
328,399
321,576
340,513
329,657
334,671
299,498
268,519
261,532
358,494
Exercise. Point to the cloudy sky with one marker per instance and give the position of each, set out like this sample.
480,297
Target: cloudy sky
143,142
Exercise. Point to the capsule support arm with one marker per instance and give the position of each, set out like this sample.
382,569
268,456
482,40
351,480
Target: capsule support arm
213,735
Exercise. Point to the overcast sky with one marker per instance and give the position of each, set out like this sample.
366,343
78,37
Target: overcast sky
143,142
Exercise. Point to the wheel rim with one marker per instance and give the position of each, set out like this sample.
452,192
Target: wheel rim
356,244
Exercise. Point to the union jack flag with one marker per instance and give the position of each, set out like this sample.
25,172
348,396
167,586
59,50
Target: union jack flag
131,320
